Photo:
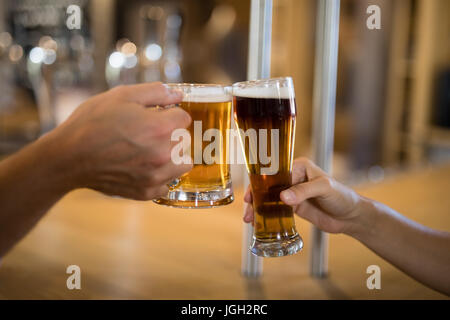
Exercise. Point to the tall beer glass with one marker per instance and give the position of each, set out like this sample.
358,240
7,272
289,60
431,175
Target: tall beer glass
208,184
265,112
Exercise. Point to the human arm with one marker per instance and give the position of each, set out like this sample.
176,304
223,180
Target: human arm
419,251
112,143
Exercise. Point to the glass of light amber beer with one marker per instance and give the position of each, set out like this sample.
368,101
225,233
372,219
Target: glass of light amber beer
265,112
208,184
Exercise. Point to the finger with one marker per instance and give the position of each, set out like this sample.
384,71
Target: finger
162,123
172,118
169,172
161,150
306,190
248,195
248,215
154,93
115,190
151,193
305,170
160,192
310,213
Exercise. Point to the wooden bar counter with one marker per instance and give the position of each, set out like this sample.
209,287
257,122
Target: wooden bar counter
139,250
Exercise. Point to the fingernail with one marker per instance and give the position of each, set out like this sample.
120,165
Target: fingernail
288,195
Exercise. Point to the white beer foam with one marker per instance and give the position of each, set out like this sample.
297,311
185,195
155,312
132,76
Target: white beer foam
261,92
206,94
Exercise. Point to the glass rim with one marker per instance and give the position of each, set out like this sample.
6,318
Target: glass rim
203,92
197,85
263,81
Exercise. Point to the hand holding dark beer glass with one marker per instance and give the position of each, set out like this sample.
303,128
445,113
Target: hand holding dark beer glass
265,110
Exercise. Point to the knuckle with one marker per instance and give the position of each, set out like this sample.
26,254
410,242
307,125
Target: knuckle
327,181
299,172
305,161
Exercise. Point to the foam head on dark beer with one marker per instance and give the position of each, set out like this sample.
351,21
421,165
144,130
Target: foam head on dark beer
262,92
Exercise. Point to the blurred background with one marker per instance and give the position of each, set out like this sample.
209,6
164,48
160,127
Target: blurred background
393,105
393,94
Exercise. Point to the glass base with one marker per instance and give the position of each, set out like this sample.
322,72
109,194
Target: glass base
197,199
277,248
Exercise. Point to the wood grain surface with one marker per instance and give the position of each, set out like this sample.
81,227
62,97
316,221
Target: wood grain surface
139,250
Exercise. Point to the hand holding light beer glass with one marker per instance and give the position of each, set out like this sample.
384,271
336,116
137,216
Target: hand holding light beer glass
265,110
208,184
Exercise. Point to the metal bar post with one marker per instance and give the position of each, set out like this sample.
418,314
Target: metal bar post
324,100
258,67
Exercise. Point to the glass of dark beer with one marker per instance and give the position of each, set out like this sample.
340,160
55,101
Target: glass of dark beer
208,184
265,112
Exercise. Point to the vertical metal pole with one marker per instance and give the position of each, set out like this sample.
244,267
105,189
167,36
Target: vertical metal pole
258,67
324,100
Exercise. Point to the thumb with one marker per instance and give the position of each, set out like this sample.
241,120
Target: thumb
306,190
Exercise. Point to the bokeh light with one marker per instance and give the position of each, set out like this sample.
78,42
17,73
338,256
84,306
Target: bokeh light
153,52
